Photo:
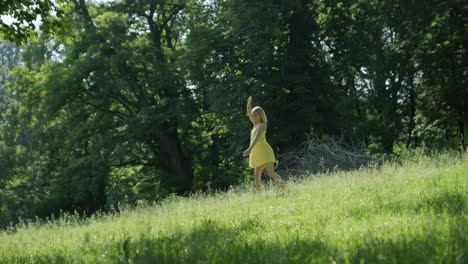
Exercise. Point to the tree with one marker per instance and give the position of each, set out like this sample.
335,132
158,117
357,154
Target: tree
112,100
267,49
23,14
9,58
443,61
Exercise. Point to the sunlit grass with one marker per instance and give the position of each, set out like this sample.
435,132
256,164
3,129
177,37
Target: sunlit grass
415,212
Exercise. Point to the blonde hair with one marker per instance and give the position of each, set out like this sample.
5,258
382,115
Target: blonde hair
261,112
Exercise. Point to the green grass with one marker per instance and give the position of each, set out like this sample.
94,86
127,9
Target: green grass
415,212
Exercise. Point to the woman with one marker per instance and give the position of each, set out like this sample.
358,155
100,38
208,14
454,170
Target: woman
260,153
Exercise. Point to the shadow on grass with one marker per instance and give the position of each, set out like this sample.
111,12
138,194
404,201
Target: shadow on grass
454,203
211,243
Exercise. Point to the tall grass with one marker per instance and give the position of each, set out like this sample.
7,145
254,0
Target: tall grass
413,212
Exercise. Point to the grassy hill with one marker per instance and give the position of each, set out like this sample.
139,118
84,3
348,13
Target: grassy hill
415,212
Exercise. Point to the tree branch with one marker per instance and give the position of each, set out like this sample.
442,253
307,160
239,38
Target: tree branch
130,162
83,10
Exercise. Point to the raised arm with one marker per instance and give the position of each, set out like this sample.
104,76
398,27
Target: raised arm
249,109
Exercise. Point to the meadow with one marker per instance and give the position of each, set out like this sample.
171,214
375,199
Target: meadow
415,211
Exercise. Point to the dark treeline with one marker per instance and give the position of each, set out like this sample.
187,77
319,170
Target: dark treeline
132,100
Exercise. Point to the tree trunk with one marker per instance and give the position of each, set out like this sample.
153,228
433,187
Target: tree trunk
461,130
383,104
357,108
82,9
296,70
388,146
177,173
412,113
176,168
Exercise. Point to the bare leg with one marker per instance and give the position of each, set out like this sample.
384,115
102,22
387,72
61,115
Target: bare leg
258,178
270,167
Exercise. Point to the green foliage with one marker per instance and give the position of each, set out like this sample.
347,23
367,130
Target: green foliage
217,162
23,16
126,102
413,212
232,50
442,61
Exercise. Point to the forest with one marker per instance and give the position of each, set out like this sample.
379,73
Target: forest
112,103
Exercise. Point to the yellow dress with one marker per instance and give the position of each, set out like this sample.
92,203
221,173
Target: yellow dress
262,153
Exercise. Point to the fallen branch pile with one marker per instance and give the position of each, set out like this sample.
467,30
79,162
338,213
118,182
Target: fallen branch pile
318,156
